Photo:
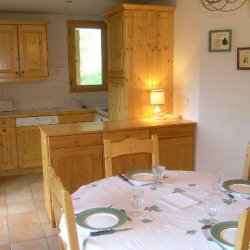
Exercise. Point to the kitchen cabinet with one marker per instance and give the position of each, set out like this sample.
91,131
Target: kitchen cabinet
75,150
140,58
29,147
20,138
23,51
8,146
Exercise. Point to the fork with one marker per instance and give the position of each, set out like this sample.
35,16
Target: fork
206,231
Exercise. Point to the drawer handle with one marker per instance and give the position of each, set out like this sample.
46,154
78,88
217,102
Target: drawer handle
76,141
4,130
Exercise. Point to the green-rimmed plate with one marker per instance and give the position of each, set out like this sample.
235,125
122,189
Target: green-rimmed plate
140,175
101,218
237,186
225,233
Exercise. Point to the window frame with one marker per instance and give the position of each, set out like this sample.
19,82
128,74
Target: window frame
71,25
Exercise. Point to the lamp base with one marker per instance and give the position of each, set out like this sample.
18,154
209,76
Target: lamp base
157,113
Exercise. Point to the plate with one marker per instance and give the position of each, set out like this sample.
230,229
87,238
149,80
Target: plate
225,233
140,175
101,218
237,186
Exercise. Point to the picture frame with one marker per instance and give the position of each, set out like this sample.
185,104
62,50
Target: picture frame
243,58
220,40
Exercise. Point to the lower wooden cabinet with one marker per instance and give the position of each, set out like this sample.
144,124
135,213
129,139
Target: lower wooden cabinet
29,147
85,165
176,153
8,148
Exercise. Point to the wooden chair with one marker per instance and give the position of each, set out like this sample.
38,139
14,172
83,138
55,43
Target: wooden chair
62,203
130,146
247,163
243,234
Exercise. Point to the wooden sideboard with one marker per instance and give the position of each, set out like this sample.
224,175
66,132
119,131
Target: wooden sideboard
75,151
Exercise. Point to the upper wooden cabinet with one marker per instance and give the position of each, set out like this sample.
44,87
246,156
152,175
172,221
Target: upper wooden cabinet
140,58
23,51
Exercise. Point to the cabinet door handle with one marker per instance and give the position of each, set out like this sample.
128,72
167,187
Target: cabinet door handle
4,130
99,156
22,72
16,73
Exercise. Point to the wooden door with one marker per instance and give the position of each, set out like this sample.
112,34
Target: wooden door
33,50
78,166
176,153
9,65
8,149
29,147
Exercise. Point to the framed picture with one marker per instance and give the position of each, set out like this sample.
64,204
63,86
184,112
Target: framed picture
243,58
220,40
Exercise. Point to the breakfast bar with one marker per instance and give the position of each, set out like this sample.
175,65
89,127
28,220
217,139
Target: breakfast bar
75,150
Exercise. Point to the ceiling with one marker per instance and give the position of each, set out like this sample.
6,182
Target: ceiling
69,7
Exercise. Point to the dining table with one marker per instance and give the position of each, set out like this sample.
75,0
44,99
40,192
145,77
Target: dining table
162,224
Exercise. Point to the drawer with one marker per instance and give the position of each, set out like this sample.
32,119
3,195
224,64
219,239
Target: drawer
173,131
72,141
77,117
7,123
122,135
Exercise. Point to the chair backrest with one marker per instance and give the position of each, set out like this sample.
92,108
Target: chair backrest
130,146
62,203
243,233
247,163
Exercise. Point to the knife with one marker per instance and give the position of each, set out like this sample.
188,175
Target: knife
108,231
125,179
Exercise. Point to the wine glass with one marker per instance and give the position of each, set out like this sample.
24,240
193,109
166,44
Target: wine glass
136,199
216,181
158,173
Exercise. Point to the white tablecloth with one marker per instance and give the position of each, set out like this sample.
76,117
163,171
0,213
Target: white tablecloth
161,227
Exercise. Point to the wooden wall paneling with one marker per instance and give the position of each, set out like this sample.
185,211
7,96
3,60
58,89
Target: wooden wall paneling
9,65
117,102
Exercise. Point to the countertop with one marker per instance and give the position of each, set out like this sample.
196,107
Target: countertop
47,111
109,126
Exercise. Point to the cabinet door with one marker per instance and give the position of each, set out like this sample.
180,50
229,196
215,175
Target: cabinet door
29,147
77,166
8,149
116,46
9,66
176,153
33,50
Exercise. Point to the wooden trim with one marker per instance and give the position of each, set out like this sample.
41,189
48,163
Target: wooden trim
71,25
20,171
23,22
23,79
140,7
247,163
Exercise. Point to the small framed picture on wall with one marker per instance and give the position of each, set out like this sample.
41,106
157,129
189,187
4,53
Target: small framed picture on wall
220,40
243,58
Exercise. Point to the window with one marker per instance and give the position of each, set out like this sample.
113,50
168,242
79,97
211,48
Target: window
87,55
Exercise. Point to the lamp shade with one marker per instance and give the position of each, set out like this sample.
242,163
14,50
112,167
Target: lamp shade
157,97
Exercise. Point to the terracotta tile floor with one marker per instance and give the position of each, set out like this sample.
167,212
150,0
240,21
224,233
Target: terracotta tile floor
24,223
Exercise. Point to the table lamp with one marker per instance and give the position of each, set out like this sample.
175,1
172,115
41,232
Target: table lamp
157,98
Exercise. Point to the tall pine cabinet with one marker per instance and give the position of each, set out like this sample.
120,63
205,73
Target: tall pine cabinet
140,58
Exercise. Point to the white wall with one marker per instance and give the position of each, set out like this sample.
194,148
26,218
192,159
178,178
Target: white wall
210,90
55,91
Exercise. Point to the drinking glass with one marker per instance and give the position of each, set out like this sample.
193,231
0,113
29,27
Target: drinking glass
212,207
216,181
136,199
158,173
